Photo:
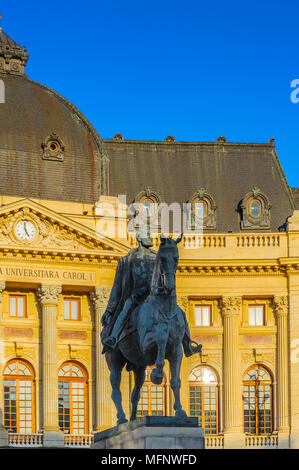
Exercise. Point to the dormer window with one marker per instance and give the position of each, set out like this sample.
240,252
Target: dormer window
203,210
255,211
148,207
255,208
53,148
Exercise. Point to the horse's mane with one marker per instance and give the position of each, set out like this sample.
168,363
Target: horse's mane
156,277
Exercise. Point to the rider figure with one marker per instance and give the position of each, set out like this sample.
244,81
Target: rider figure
131,287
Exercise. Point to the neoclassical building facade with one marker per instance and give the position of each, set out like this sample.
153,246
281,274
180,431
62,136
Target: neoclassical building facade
62,232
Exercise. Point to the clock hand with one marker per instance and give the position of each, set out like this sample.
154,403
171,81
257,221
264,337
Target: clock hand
25,228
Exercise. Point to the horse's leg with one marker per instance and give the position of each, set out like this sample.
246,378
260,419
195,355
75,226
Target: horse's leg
116,365
175,362
139,376
157,374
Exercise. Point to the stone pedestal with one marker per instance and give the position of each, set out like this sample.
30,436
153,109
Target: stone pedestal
152,432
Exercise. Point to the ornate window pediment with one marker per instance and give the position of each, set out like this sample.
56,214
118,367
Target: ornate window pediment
203,208
146,208
53,148
255,210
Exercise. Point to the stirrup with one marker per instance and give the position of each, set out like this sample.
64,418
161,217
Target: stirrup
110,343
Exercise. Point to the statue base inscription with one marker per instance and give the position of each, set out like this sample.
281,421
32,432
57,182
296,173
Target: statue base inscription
152,432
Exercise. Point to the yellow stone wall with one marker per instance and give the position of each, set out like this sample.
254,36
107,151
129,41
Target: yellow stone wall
227,271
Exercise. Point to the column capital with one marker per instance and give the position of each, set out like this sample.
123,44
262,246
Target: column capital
230,305
100,296
183,302
49,293
281,305
2,287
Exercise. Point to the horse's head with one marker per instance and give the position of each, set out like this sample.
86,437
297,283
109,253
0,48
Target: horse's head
168,255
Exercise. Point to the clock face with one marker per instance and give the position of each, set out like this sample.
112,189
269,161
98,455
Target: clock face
25,230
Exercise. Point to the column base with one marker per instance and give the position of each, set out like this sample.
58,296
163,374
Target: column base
53,438
3,437
234,440
284,440
294,438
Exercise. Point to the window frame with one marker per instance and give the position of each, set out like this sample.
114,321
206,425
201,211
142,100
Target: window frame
252,201
71,379
255,306
209,306
18,378
71,299
202,385
256,383
201,201
18,296
147,383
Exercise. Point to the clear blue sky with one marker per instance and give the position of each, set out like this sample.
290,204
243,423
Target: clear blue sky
192,69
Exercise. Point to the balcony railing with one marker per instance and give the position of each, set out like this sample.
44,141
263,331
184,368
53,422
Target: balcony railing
261,442
25,440
72,440
214,442
36,440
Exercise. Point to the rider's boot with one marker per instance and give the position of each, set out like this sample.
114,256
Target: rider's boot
109,343
190,347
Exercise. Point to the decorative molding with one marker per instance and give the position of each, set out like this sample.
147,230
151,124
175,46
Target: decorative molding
248,222
53,148
209,221
231,305
281,305
2,288
49,293
19,350
100,296
51,234
183,302
236,269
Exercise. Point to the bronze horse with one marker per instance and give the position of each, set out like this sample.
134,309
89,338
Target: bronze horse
155,333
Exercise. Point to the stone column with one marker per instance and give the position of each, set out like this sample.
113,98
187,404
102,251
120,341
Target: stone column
48,296
104,405
281,311
233,432
3,431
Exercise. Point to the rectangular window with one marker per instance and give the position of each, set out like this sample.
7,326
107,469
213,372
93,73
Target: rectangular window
256,315
203,315
71,309
17,305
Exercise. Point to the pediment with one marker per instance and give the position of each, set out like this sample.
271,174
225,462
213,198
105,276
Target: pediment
50,231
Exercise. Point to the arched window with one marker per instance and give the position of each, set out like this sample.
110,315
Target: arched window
201,209
148,207
72,398
203,398
18,378
257,401
152,398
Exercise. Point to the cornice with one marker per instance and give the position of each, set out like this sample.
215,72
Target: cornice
237,267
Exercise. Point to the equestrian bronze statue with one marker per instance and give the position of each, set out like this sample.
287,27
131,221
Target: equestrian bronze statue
143,325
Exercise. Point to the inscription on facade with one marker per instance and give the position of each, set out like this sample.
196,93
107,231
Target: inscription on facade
257,339
72,334
27,332
46,274
206,339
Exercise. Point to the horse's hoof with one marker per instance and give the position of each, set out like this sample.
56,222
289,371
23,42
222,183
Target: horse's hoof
181,414
121,421
156,378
